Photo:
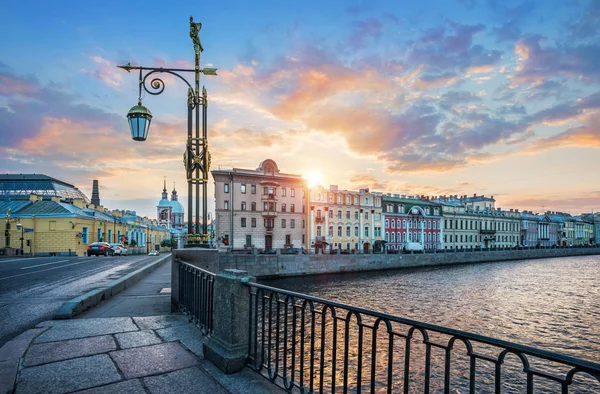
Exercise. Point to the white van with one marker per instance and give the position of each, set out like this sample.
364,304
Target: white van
412,246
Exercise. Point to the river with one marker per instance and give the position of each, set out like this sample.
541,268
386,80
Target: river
552,304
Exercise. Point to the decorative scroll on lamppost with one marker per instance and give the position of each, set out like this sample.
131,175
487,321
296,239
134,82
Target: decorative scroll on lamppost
196,157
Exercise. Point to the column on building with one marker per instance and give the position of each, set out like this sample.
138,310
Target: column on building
313,230
326,231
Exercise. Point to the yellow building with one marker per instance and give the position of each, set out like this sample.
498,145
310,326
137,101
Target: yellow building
350,221
41,215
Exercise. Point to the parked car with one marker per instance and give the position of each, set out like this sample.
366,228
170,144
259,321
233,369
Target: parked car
119,249
153,253
100,248
268,251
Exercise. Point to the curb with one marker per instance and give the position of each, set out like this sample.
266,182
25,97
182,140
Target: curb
94,297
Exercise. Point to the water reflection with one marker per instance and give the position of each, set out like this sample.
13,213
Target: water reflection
551,304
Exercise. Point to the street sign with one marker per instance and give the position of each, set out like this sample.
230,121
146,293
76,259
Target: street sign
28,230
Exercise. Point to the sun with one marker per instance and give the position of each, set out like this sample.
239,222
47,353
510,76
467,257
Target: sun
313,178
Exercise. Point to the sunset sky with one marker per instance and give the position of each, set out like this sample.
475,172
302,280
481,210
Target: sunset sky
493,97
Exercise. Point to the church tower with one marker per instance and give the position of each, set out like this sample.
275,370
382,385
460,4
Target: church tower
177,210
164,209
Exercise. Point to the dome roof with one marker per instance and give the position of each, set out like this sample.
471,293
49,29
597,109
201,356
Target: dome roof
177,207
163,203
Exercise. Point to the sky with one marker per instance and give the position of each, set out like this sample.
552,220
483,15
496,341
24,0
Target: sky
494,97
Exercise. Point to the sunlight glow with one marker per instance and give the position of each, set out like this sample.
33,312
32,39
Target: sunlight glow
313,178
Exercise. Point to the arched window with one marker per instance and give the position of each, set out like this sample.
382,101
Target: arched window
318,212
409,237
387,223
429,237
393,224
404,224
318,231
398,223
387,237
393,237
404,236
398,236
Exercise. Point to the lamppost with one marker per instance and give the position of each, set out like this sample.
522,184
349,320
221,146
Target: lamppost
20,227
196,157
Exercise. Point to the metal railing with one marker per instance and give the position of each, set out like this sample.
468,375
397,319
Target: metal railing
307,344
196,295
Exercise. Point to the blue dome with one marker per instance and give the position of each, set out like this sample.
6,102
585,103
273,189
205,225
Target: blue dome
177,207
164,203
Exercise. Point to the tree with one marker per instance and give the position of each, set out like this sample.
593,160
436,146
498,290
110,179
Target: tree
133,243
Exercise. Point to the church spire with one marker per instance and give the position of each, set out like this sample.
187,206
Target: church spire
165,195
174,193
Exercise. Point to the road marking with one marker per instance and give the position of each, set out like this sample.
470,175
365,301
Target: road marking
47,269
21,259
41,265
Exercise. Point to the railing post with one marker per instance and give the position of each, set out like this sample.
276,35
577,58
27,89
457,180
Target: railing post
227,348
174,283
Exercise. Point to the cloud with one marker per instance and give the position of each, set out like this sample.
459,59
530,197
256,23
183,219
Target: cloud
586,135
106,72
362,180
587,25
543,203
537,62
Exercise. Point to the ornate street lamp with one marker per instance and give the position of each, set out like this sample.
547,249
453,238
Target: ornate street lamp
196,157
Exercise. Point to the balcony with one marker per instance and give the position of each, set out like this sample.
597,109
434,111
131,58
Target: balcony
269,197
319,219
269,214
482,231
269,230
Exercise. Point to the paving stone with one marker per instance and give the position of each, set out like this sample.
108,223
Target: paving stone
66,376
158,322
8,373
15,348
152,360
80,328
56,351
133,386
189,381
242,381
188,334
128,340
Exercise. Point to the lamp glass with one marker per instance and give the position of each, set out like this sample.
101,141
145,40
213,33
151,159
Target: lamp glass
139,118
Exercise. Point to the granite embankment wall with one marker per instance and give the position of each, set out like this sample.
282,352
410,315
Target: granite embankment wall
273,266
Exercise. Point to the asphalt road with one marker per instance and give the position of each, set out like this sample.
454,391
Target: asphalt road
33,289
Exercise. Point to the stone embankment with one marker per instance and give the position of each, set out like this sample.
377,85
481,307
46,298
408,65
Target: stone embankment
274,266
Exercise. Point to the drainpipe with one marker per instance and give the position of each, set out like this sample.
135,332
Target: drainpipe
231,211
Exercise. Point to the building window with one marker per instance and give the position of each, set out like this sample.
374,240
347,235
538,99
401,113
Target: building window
387,224
331,231
293,192
393,223
253,189
282,223
99,239
330,214
339,215
292,223
243,205
84,236
303,239
377,232
355,215
366,231
283,207
288,239
110,236
347,231
243,188
225,204
429,224
318,231
283,192
387,237
248,240
348,214
393,237
292,208
339,231
356,231
303,223
243,222
303,208
253,206
366,215
226,187
253,222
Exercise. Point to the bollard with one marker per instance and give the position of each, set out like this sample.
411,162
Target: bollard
227,347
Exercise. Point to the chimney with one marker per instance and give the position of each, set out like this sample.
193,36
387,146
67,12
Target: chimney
95,193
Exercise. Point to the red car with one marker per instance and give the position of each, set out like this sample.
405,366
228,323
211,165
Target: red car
100,248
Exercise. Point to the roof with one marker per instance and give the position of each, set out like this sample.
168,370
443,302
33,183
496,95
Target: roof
45,208
22,185
177,207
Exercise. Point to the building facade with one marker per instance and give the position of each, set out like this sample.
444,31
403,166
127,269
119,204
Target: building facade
262,208
345,220
54,217
412,220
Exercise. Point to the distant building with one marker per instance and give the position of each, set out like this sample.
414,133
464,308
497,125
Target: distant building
262,208
412,220
57,218
170,215
347,220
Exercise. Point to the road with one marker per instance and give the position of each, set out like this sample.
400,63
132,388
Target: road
33,289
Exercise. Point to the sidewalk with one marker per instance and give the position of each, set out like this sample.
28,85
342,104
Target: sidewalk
130,343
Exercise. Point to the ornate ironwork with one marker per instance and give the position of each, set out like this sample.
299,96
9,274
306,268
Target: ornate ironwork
307,344
196,295
196,156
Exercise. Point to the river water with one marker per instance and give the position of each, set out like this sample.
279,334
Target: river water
552,304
